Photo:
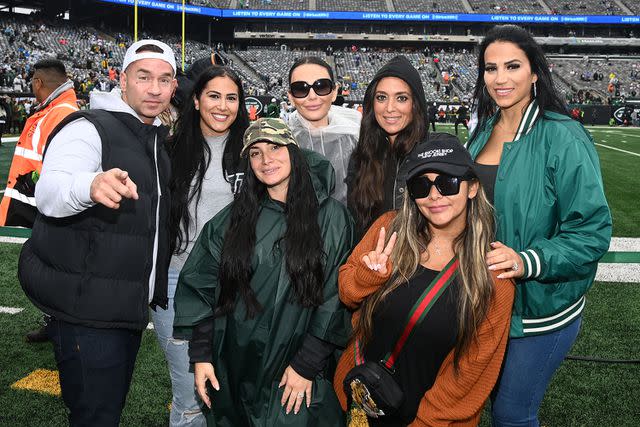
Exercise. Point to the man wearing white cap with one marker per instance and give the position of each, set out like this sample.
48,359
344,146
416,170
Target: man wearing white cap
99,251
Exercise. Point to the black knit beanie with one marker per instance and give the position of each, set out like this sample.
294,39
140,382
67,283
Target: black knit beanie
401,68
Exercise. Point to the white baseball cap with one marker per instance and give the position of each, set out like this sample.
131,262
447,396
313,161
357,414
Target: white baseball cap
166,55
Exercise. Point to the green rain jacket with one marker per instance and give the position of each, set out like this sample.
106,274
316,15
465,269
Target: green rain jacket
551,208
250,355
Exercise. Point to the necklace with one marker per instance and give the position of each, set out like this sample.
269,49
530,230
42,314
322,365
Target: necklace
437,248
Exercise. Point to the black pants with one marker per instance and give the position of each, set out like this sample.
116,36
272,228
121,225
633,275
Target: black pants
433,124
95,368
458,121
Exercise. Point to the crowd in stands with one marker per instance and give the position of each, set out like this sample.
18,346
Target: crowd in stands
447,75
584,7
515,6
431,6
538,7
598,79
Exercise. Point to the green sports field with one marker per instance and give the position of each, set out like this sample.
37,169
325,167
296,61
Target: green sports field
581,394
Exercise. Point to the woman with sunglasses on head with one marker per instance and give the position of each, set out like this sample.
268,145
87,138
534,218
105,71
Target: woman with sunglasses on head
394,120
427,307
206,172
258,295
318,125
553,222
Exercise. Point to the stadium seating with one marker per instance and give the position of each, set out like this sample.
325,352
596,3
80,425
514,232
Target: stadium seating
621,76
428,6
346,5
274,4
633,5
559,7
584,7
507,6
264,70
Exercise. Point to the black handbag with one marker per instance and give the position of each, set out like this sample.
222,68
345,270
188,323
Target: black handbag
371,387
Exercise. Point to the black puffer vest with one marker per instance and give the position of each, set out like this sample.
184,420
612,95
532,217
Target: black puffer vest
93,268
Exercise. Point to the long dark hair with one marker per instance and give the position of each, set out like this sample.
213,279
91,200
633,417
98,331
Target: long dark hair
302,241
373,154
546,94
311,60
475,284
191,156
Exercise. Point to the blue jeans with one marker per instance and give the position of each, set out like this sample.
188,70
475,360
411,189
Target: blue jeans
185,406
528,367
95,367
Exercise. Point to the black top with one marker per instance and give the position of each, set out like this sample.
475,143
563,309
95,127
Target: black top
487,175
462,112
423,353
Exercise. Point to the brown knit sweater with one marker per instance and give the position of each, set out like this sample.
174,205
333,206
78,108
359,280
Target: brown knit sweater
456,399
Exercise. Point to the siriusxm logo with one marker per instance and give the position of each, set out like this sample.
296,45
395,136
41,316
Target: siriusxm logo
435,153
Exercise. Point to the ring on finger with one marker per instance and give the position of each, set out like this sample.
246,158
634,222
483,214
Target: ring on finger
515,266
300,395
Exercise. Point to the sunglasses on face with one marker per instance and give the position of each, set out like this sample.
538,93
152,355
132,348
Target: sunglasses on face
447,185
321,87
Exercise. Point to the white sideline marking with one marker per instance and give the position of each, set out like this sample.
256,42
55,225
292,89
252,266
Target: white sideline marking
621,273
19,240
617,149
11,139
11,310
624,244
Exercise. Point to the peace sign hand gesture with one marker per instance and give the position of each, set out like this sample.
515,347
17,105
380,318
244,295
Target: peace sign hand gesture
376,260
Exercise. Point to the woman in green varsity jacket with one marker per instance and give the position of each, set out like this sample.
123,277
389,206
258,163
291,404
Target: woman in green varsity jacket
553,221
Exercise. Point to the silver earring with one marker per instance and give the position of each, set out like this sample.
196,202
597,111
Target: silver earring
535,90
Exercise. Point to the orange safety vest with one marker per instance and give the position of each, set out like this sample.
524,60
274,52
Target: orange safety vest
27,157
253,113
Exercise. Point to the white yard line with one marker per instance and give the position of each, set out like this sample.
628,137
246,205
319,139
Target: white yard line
617,149
621,273
10,310
625,244
11,139
19,240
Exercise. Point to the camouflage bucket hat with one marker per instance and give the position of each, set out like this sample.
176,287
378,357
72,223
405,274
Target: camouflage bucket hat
270,130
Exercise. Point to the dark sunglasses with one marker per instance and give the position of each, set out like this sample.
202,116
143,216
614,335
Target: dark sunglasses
321,87
447,185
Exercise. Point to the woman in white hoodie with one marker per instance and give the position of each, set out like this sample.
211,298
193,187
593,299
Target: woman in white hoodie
317,124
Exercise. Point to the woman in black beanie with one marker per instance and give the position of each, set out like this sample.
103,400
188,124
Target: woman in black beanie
394,120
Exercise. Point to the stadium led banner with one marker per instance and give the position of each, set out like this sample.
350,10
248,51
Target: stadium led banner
439,17
383,16
169,7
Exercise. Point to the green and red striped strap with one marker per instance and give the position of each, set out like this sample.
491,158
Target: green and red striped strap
419,310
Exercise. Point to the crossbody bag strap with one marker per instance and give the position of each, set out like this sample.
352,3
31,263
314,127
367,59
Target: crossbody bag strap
418,312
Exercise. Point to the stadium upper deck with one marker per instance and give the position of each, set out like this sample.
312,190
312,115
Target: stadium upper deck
538,7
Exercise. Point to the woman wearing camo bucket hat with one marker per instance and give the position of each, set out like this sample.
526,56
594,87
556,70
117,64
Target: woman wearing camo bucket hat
259,302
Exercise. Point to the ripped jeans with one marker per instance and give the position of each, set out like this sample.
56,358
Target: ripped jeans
185,405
